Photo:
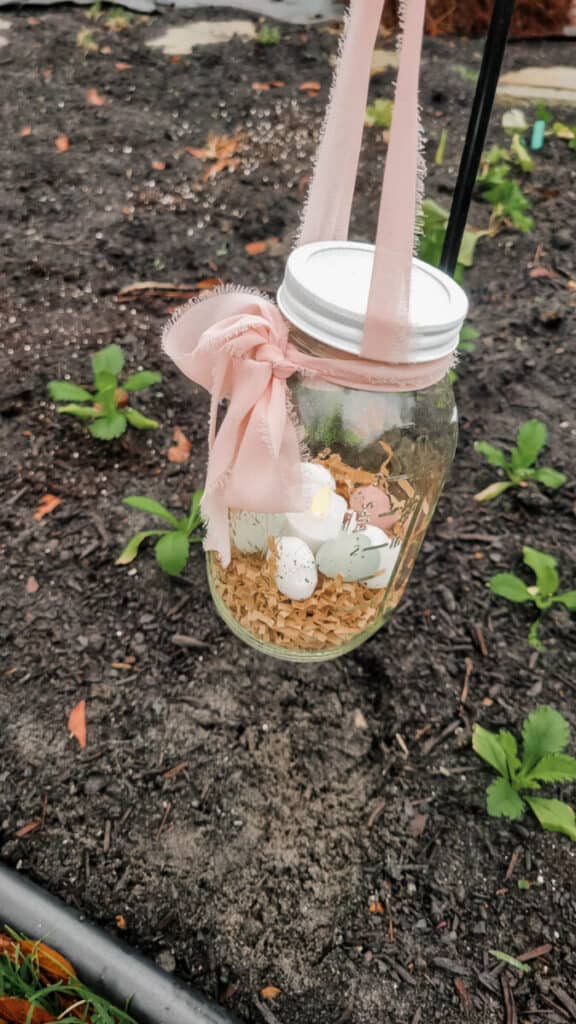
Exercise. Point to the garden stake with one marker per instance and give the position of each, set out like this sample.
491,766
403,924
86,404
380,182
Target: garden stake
477,128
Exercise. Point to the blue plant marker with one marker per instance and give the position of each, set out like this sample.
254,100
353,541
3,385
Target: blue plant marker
537,140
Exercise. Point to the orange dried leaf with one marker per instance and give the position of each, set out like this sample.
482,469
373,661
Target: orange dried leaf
31,826
20,1011
47,504
62,143
121,65
180,450
311,87
32,585
270,992
266,86
77,723
376,908
120,922
25,131
157,165
94,98
256,248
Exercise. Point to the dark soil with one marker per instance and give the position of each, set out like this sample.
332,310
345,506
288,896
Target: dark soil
322,830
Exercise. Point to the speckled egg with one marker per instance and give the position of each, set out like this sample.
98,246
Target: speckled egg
373,507
348,556
296,572
387,553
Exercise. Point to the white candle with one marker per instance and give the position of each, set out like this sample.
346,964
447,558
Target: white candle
315,477
323,520
250,530
296,573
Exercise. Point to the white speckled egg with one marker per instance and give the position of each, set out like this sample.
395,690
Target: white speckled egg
388,556
296,572
348,555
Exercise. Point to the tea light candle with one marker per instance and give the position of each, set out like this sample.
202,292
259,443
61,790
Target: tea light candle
250,531
388,554
323,520
316,477
373,507
296,573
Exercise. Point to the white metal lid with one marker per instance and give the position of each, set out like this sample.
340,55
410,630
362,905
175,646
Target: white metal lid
325,294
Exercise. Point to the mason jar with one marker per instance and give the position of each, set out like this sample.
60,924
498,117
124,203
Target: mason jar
312,585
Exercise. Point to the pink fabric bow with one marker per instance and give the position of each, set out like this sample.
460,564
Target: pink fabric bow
236,345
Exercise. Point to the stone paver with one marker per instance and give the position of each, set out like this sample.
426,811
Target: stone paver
181,39
556,85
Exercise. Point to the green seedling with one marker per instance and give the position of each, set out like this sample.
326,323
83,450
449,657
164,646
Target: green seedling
510,961
118,19
519,467
434,224
107,405
468,338
544,593
441,150
545,735
379,114
94,12
564,131
505,195
468,74
268,35
85,41
172,550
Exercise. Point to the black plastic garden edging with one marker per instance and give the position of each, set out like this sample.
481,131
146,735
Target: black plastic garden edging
127,979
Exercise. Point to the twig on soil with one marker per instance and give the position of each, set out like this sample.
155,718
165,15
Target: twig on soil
107,836
513,862
463,994
266,1012
428,747
566,1000
509,1004
451,966
465,689
402,973
164,820
189,641
481,642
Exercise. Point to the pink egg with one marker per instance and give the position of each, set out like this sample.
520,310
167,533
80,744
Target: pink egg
374,507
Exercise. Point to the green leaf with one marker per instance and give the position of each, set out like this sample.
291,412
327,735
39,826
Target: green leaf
522,155
563,131
533,637
504,802
138,421
544,568
470,240
468,336
510,748
441,151
530,441
194,521
108,360
379,114
141,380
505,584
492,455
154,508
83,412
172,552
554,768
554,815
131,550
488,746
545,731
109,427
549,477
105,382
493,490
65,391
510,960
568,600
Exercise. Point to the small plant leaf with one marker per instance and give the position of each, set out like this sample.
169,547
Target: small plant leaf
107,428
534,638
548,477
544,568
82,412
510,748
502,801
554,815
530,441
568,600
488,746
194,521
108,360
141,380
555,768
505,584
172,551
138,421
493,490
66,391
492,455
545,731
133,546
510,960
154,508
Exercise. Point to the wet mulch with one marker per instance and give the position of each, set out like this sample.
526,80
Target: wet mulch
320,830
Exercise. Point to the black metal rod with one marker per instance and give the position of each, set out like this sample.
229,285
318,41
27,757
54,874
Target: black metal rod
109,967
477,128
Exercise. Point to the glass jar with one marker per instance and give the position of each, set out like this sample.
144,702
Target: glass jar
383,458
313,585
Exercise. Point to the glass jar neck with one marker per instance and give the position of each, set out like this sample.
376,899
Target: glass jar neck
312,347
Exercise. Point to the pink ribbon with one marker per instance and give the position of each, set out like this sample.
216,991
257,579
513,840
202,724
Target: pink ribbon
236,345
